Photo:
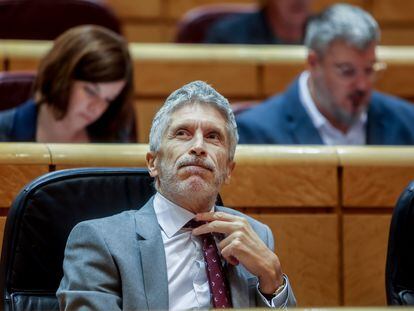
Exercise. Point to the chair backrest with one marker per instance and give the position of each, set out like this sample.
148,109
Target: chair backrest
194,24
15,88
41,218
47,19
399,277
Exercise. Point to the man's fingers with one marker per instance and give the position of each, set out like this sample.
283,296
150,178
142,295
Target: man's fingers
214,226
211,216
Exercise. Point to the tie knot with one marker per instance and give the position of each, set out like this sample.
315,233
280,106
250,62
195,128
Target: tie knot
194,224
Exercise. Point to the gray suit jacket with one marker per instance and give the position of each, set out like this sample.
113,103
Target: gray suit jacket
118,262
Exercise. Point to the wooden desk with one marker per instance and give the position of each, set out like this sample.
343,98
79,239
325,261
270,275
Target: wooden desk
238,72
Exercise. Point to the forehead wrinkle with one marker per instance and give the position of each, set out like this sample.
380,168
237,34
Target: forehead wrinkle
190,122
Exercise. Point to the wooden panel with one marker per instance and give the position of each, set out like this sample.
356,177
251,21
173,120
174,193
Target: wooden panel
82,155
375,176
145,111
162,78
396,79
321,4
25,55
23,64
391,35
393,10
2,225
307,245
144,32
371,186
274,176
276,77
125,9
176,8
365,248
19,164
14,177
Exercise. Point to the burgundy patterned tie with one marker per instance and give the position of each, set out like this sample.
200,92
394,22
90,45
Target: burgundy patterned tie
219,289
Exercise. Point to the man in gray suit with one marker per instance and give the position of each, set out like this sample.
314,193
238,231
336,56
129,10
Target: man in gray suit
148,259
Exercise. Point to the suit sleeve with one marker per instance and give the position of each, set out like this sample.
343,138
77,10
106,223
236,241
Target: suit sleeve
90,276
285,298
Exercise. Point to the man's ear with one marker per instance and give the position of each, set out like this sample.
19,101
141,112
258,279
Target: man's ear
230,169
151,163
313,60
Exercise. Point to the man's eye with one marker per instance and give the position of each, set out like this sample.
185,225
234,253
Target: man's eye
213,135
182,133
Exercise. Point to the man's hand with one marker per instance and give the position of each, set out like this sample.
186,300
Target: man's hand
243,245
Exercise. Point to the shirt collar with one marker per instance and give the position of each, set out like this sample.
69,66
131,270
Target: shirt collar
171,217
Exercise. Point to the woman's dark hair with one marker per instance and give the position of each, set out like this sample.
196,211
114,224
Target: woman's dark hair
93,54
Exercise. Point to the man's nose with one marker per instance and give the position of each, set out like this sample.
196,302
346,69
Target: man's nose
363,82
198,145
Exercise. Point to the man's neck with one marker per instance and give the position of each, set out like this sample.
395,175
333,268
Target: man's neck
192,203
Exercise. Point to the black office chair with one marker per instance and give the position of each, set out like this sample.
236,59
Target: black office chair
41,217
399,277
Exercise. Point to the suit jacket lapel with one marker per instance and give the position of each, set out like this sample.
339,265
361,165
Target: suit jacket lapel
299,123
376,134
152,252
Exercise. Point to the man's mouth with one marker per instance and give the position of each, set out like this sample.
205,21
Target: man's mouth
197,165
357,99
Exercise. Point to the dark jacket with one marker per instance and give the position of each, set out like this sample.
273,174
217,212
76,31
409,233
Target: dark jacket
19,125
282,119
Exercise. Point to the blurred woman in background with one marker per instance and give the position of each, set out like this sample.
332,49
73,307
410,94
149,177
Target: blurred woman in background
82,92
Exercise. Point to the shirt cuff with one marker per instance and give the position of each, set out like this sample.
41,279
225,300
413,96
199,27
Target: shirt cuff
280,300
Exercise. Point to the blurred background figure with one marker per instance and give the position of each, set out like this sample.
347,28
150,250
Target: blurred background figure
82,92
334,101
277,22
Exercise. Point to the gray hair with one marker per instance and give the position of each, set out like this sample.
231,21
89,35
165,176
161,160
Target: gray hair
341,22
197,92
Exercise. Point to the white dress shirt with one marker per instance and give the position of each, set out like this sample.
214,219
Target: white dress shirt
187,278
356,134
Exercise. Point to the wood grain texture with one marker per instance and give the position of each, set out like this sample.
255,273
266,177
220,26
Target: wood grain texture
14,176
374,186
397,11
375,176
281,186
2,226
145,110
277,176
396,79
307,246
397,35
155,78
135,9
365,248
144,32
277,77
